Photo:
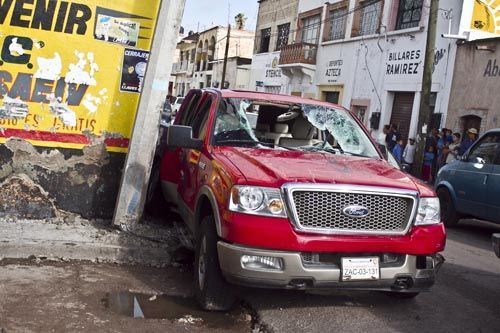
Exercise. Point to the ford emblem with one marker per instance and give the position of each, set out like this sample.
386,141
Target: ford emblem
356,211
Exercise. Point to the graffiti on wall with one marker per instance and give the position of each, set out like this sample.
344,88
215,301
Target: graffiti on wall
72,69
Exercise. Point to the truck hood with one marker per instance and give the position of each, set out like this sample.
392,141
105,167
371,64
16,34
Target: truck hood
273,168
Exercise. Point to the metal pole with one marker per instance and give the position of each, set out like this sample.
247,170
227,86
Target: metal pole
425,114
132,193
224,67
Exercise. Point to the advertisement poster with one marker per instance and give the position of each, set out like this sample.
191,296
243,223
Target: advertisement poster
486,16
73,70
134,69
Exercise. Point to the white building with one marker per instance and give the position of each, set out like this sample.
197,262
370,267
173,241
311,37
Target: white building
201,56
275,29
369,57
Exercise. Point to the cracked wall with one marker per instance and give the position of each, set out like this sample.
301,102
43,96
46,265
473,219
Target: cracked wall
36,181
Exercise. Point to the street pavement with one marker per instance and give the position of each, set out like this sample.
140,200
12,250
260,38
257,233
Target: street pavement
41,296
466,297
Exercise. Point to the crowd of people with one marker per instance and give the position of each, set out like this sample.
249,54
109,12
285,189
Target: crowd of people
441,147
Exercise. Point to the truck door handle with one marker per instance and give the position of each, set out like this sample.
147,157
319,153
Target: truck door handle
485,179
194,156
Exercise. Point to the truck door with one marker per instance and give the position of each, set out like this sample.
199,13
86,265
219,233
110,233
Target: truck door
170,170
191,169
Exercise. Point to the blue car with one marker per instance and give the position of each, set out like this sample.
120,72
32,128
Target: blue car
470,186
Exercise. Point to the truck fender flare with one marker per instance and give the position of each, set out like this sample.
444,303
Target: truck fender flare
449,187
207,192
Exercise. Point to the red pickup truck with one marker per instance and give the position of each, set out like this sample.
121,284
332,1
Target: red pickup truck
285,192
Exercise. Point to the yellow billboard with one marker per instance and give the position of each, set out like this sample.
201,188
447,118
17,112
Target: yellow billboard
486,16
70,70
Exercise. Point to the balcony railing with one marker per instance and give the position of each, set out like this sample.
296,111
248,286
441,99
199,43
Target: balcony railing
180,67
300,53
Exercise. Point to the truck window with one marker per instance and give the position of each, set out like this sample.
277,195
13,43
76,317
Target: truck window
188,112
200,119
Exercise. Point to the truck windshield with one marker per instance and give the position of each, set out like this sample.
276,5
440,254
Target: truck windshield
305,127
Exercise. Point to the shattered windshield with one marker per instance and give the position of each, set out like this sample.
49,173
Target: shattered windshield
305,127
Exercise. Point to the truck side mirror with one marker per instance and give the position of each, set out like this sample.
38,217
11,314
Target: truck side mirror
182,137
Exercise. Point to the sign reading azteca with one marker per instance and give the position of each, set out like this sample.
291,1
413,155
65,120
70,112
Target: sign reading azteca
64,66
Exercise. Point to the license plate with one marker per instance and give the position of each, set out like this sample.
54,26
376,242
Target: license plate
354,269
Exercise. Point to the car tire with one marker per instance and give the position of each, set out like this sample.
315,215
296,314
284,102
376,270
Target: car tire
402,295
449,213
155,203
212,291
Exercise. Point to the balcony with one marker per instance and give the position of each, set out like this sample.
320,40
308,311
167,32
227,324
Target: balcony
298,61
300,53
180,67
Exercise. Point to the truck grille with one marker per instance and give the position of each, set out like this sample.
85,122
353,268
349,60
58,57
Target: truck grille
324,211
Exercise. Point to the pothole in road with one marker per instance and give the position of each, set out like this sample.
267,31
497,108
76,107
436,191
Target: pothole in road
176,308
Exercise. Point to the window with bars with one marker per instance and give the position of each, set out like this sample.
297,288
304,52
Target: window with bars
283,33
409,14
265,39
338,19
370,17
310,29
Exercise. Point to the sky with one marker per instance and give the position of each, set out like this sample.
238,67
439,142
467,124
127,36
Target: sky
208,13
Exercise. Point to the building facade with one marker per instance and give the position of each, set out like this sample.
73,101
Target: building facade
474,97
275,29
201,58
369,57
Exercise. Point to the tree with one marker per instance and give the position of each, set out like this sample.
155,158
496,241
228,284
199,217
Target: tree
240,20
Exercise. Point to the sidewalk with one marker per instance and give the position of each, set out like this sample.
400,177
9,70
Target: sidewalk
71,237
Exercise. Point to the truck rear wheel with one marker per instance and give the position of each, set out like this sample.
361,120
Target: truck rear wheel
212,291
449,213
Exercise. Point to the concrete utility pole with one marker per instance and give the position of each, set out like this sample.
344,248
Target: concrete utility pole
226,53
132,194
425,114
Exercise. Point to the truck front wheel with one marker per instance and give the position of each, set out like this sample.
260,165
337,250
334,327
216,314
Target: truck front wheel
212,291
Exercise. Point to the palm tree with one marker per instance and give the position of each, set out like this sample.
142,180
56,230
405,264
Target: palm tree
240,21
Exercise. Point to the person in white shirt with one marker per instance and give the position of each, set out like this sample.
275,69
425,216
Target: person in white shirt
382,135
453,148
409,152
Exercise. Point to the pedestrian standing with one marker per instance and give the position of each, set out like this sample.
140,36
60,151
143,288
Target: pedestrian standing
397,151
390,139
442,148
382,137
453,148
429,157
409,153
468,141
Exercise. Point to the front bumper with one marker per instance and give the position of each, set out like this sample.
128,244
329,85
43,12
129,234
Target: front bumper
297,275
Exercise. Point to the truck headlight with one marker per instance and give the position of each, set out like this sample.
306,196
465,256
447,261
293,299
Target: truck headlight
257,201
428,211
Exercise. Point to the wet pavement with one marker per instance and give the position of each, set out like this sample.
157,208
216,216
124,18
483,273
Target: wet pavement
179,308
43,296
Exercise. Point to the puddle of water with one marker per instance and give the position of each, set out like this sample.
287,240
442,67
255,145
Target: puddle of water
177,308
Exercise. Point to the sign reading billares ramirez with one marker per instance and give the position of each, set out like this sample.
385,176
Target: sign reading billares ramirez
407,62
